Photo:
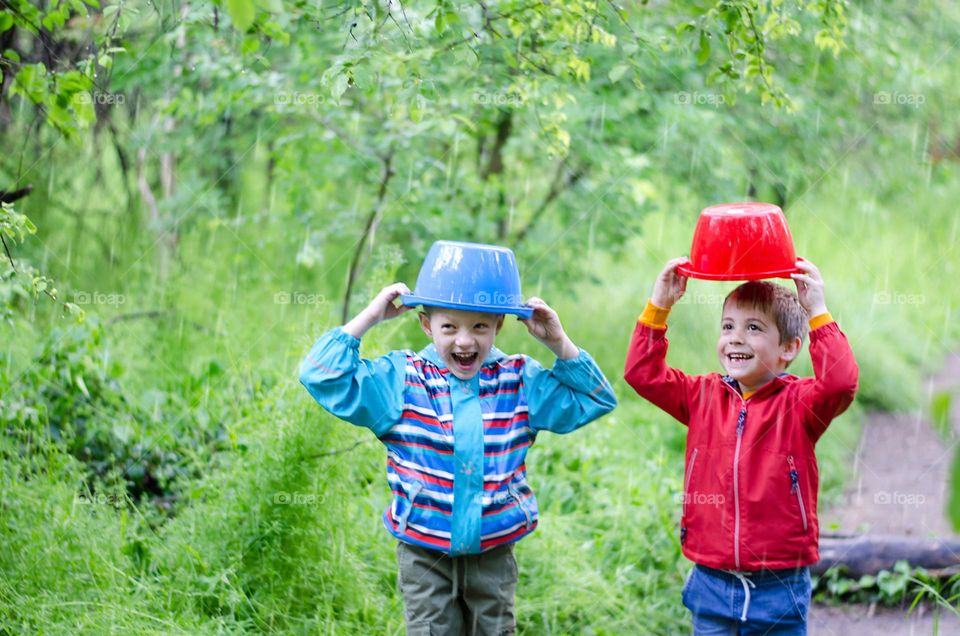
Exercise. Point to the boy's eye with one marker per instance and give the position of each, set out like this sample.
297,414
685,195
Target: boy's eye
754,327
726,326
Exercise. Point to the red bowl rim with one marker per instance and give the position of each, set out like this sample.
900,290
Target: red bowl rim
686,270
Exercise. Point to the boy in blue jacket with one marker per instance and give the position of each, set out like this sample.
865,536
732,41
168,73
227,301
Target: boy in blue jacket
457,419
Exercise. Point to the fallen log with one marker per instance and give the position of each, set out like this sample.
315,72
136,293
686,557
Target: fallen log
868,554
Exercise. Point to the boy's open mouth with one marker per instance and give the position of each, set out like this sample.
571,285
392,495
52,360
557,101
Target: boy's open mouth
464,360
737,358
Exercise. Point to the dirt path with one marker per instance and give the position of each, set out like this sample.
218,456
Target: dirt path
900,487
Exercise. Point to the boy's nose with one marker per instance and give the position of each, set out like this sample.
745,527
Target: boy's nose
463,340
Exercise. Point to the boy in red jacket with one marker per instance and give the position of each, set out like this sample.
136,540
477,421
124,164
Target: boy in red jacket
749,516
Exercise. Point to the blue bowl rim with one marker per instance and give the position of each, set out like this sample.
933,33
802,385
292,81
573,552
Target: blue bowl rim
411,300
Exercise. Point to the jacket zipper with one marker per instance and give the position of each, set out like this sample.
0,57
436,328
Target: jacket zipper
741,421
516,495
795,489
414,491
686,482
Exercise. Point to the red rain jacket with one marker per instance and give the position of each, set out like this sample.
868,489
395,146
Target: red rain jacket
750,480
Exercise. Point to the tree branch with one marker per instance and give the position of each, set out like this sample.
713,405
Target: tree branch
7,250
369,230
559,185
9,196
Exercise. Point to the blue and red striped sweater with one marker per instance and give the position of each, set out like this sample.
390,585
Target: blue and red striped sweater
455,448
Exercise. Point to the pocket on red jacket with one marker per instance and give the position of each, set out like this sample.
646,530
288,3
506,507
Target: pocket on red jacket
779,525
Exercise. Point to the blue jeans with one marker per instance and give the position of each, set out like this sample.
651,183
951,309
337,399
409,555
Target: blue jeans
765,602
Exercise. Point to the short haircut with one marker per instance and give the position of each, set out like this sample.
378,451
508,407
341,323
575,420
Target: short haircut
776,301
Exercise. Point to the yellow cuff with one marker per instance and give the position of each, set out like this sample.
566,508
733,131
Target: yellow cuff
821,320
654,316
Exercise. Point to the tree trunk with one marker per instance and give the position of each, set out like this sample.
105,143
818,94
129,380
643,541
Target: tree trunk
869,554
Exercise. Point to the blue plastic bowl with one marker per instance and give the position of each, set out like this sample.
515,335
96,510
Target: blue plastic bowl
469,277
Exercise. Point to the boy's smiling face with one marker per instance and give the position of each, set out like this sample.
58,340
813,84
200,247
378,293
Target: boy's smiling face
749,346
462,338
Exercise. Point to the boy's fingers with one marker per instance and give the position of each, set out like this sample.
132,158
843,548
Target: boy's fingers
808,267
392,291
537,303
672,264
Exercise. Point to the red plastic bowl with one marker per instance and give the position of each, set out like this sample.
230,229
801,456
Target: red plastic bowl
741,241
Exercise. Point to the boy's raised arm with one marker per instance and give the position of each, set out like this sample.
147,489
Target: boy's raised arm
834,366
363,392
646,367
571,394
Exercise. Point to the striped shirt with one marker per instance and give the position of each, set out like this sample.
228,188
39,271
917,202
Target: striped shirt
456,449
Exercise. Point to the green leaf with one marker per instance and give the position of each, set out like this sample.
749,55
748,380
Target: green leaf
340,86
250,45
617,72
6,21
82,385
273,6
10,54
72,82
704,53
953,504
54,20
242,13
31,82
275,32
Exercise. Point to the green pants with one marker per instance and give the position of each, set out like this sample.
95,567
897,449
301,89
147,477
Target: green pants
468,595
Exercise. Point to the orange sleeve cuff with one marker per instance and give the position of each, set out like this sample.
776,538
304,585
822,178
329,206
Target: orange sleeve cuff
654,316
821,320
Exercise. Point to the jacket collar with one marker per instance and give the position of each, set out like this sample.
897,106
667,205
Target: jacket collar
431,354
770,387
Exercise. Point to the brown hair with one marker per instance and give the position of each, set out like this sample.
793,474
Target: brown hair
776,301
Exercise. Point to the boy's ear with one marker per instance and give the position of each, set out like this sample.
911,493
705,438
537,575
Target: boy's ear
790,350
425,324
499,323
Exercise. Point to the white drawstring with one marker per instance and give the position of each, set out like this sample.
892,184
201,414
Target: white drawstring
747,584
